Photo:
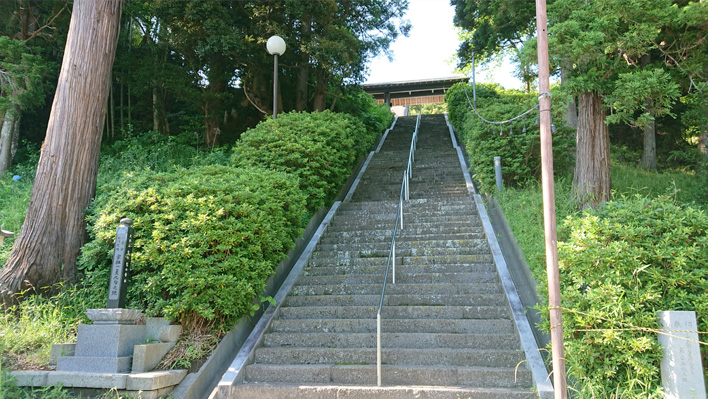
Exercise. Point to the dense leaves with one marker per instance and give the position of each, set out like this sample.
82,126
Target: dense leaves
320,148
620,266
516,143
206,239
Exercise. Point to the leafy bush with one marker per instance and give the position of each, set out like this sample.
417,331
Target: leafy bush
320,148
517,143
206,239
621,265
361,105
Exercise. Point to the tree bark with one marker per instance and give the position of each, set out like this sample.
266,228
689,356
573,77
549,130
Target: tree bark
46,249
591,182
8,139
649,154
303,74
571,111
319,102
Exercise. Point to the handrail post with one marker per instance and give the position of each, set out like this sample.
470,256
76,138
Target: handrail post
378,348
394,261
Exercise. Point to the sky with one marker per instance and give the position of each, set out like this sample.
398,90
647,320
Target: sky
429,50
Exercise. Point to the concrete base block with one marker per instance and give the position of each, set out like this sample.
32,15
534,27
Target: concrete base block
30,378
155,380
87,380
60,350
108,340
90,365
160,329
153,385
147,357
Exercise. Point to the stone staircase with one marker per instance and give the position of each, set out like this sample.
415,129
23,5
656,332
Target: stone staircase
447,328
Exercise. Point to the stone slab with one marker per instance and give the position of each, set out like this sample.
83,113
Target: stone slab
94,364
681,369
108,340
87,380
155,380
60,350
147,357
30,378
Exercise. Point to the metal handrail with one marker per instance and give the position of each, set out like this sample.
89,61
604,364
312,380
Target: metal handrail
391,263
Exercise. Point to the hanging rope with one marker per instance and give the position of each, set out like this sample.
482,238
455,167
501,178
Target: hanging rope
473,104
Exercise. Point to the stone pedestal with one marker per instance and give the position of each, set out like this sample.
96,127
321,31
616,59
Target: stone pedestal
681,370
107,345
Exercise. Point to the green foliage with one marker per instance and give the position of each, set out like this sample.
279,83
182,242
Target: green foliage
620,266
23,75
28,329
206,239
603,254
519,150
361,105
633,89
320,148
14,199
427,109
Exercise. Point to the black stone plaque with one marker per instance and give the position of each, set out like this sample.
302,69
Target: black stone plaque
121,262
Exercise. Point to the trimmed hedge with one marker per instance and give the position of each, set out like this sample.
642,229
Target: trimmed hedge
621,265
319,148
206,239
519,151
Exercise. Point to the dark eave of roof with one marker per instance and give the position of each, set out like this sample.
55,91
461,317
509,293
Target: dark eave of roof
412,88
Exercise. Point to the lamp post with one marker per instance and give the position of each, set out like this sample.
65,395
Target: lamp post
276,47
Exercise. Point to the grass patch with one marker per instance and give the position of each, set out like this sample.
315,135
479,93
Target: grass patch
523,207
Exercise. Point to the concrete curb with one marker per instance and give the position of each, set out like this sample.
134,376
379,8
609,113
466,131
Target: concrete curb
528,340
234,374
204,383
520,272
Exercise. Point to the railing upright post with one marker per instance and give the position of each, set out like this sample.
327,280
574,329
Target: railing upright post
394,261
378,348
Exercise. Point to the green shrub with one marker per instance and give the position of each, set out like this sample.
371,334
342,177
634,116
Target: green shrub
519,150
621,265
320,148
362,106
206,239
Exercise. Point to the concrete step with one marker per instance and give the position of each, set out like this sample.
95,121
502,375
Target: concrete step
488,377
403,261
396,300
399,289
332,240
405,269
382,249
469,326
408,231
395,312
401,278
433,241
329,391
393,340
392,356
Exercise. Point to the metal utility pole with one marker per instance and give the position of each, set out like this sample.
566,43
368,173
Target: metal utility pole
549,204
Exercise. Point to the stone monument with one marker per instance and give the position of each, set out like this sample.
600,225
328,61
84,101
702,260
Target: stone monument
681,369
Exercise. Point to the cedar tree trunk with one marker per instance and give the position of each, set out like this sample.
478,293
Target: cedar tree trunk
591,182
649,153
9,128
45,252
571,111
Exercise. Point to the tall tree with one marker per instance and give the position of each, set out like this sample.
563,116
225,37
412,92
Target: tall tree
494,28
604,41
25,39
46,249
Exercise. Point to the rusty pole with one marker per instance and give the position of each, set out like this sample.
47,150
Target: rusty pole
549,204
